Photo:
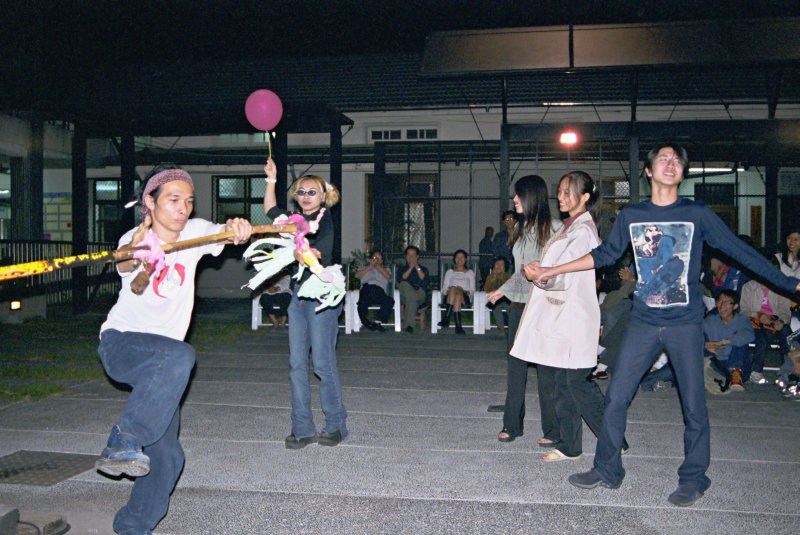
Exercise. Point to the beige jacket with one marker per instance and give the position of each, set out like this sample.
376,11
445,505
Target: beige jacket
752,295
560,326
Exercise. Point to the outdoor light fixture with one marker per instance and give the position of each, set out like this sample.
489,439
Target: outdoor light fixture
15,305
569,138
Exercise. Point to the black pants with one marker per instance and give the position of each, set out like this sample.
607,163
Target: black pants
576,397
370,295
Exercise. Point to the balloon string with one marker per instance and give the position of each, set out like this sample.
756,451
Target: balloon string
269,144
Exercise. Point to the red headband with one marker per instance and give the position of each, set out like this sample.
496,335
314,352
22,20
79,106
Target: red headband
159,179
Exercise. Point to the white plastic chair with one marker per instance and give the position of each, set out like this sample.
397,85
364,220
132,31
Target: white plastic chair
352,322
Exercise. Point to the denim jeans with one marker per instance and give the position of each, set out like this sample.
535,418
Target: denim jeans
642,344
738,358
317,332
158,368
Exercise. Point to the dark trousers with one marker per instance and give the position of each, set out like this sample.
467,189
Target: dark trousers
370,295
642,344
765,338
516,383
576,399
276,304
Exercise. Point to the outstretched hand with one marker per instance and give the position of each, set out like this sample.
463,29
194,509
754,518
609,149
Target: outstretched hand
242,229
495,296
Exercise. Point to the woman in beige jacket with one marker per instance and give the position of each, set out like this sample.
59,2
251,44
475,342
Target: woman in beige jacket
560,326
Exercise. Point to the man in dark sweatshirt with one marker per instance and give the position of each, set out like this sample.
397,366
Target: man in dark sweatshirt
667,314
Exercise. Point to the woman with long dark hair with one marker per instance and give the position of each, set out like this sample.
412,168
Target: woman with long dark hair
560,326
789,253
533,228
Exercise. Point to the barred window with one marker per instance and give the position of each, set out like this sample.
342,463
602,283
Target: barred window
238,196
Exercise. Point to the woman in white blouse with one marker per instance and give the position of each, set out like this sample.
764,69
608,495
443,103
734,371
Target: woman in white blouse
459,286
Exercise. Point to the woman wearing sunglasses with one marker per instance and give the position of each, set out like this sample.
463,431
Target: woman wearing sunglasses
309,329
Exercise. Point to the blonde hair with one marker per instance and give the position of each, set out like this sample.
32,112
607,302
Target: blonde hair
329,191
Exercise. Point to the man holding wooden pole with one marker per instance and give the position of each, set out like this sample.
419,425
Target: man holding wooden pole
141,344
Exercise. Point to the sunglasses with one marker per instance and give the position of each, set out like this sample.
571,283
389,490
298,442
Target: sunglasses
304,193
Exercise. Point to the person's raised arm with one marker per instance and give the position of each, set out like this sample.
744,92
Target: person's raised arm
383,271
270,200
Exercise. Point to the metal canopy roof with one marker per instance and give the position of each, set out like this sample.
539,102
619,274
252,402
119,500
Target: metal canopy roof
620,46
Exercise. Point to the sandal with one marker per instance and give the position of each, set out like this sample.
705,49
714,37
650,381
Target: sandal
507,436
554,456
547,443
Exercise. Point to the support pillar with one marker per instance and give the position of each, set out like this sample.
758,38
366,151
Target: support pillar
27,187
336,180
633,169
127,164
80,218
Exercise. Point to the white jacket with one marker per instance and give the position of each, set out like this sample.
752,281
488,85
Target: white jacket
560,326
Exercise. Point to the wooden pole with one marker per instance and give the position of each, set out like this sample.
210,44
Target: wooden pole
38,267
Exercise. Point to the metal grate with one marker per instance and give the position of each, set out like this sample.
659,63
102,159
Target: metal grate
42,468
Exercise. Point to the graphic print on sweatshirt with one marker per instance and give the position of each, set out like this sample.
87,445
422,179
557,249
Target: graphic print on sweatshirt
661,251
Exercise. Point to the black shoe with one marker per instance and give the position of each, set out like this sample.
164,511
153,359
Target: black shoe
459,329
496,408
330,439
369,325
410,330
378,327
589,480
684,496
445,323
293,443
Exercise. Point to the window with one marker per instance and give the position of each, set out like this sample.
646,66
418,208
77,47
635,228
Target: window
238,196
409,215
107,210
396,134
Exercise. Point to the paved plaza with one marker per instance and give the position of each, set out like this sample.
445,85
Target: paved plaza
422,456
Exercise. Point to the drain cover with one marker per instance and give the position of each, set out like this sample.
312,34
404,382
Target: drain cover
42,468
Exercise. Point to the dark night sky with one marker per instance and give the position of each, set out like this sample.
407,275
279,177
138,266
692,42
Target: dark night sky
105,33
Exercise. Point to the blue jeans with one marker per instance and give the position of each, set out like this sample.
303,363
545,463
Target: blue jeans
738,358
158,368
641,345
317,332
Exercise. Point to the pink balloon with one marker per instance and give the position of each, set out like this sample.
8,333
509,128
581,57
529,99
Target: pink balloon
263,109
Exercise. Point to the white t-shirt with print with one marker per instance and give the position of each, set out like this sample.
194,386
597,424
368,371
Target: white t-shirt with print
166,305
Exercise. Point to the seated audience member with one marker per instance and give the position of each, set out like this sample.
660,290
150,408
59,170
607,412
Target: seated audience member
373,279
789,257
458,288
727,335
494,281
412,282
789,254
769,314
275,300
